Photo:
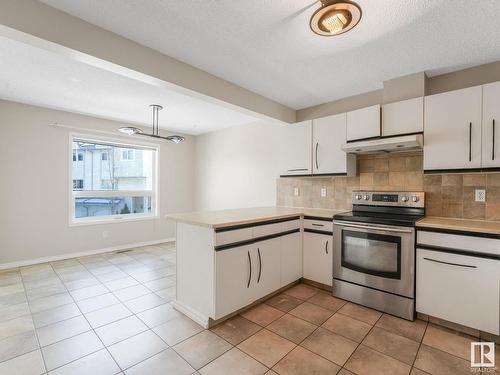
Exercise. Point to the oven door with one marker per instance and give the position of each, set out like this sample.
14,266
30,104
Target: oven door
376,256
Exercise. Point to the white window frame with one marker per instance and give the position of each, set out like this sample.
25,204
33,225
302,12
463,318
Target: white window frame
154,193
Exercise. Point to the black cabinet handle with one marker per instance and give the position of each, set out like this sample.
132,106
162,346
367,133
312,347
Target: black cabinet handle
450,264
493,143
317,144
470,141
260,265
317,225
326,247
250,267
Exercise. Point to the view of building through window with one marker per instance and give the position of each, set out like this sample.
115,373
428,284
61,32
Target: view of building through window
112,180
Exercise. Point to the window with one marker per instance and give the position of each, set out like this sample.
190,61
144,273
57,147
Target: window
77,156
128,155
116,189
77,184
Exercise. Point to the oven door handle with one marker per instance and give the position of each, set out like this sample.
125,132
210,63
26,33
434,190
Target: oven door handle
385,229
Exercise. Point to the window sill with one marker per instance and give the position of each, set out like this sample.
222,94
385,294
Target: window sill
115,220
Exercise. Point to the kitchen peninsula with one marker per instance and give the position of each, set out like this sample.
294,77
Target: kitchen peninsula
227,260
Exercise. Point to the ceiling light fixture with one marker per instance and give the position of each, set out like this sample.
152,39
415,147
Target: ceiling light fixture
131,130
335,17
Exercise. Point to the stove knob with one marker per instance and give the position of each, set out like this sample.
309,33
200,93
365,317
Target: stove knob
415,199
359,196
366,197
404,199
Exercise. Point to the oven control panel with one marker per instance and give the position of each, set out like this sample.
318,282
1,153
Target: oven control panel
389,198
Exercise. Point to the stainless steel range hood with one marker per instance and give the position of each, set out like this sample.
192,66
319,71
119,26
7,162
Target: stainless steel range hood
385,144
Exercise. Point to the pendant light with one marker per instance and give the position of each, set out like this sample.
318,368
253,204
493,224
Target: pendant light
335,17
131,130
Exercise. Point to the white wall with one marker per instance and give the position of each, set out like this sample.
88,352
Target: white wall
34,187
237,167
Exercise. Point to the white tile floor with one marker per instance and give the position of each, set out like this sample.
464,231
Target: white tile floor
95,315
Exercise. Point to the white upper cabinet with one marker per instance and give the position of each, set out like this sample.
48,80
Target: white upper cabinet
296,149
403,117
363,123
491,125
329,134
452,130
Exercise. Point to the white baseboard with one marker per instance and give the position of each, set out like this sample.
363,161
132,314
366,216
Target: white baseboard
54,258
192,314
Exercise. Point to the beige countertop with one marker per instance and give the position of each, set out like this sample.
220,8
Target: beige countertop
480,226
224,218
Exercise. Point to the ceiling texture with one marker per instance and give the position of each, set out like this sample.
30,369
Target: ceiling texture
39,77
266,46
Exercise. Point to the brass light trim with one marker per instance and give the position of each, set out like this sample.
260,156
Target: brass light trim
335,17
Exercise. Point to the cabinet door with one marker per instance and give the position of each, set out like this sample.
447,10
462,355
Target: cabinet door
291,258
296,148
403,117
318,258
363,123
267,270
452,130
460,289
329,134
235,279
491,125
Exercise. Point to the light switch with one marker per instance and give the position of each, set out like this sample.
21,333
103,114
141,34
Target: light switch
323,192
296,191
480,195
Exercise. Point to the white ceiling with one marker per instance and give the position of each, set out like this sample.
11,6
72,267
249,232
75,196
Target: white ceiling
266,45
35,76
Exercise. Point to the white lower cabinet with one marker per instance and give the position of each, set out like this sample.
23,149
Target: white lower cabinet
318,257
246,273
266,271
291,258
459,288
234,271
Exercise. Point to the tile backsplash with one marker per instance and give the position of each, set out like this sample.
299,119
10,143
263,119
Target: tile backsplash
447,195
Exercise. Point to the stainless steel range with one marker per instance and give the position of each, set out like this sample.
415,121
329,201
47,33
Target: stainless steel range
374,251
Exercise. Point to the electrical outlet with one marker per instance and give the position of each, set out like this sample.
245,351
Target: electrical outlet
105,234
480,195
323,192
296,191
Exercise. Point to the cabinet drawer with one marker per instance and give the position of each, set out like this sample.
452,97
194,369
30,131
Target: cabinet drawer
458,288
231,236
459,242
289,225
326,226
267,229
